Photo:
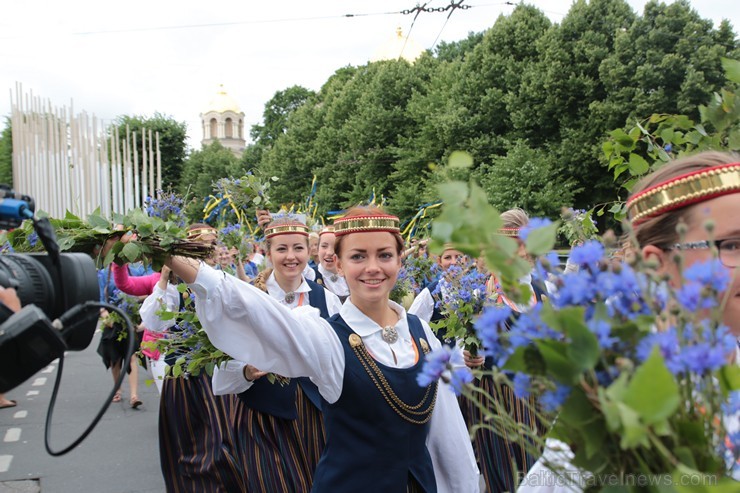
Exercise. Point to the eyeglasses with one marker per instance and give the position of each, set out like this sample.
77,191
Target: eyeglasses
729,249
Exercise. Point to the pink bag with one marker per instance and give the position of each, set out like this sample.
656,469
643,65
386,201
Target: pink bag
150,336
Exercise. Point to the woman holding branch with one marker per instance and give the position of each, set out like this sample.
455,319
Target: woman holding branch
384,431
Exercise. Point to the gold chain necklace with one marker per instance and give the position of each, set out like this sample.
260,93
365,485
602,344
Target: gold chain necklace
405,411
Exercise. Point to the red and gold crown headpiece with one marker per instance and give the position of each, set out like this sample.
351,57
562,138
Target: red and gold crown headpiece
325,230
285,228
684,190
510,232
366,223
205,230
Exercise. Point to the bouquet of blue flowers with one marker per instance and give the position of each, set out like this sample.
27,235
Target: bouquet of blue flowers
187,340
234,236
403,287
130,306
634,375
461,295
421,271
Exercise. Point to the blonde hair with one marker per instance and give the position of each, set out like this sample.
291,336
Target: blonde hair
514,218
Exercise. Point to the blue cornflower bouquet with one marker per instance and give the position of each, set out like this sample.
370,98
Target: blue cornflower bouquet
635,376
234,236
461,295
187,340
403,288
130,306
421,270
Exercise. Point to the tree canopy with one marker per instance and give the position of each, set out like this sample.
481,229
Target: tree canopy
172,145
530,100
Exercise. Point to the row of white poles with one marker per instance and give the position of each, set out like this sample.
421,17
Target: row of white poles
73,162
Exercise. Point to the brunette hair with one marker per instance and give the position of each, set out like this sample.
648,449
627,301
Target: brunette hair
278,222
366,211
661,230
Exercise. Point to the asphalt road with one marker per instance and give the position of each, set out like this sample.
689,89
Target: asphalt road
121,454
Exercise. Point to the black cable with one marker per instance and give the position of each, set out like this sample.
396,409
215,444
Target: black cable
124,369
455,6
419,10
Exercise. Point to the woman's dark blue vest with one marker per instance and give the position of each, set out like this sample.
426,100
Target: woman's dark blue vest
369,447
279,400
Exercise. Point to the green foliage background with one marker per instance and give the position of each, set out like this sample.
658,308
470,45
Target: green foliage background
532,101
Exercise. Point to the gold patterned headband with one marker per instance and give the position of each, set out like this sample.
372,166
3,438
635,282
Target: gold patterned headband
326,229
366,224
194,233
510,232
286,228
684,190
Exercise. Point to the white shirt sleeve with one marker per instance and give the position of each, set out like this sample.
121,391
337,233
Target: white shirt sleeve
155,302
448,442
249,325
228,378
553,472
423,305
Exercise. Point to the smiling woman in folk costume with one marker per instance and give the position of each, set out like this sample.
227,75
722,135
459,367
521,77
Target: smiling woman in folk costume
196,444
326,272
384,432
277,422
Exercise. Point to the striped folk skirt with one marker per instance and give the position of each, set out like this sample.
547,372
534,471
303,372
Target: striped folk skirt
278,454
500,459
196,441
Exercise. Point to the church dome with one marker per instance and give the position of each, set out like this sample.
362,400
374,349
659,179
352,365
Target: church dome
222,102
397,46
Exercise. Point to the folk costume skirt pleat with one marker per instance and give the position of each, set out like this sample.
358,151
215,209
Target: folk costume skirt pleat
196,440
279,454
499,458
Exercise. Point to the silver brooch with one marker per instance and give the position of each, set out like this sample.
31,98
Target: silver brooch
289,297
334,278
389,334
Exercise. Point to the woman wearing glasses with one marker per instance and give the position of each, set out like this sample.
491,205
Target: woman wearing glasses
691,191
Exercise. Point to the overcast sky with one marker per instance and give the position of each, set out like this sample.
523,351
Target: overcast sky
139,57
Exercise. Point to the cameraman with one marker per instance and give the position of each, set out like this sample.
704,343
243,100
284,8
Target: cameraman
9,298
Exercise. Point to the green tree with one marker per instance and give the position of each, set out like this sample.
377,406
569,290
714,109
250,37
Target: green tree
206,166
457,50
526,177
172,135
6,154
274,122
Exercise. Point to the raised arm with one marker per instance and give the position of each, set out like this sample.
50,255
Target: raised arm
249,325
136,286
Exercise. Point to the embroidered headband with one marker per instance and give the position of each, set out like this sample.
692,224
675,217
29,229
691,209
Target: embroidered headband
510,232
326,229
684,190
194,233
366,224
293,227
